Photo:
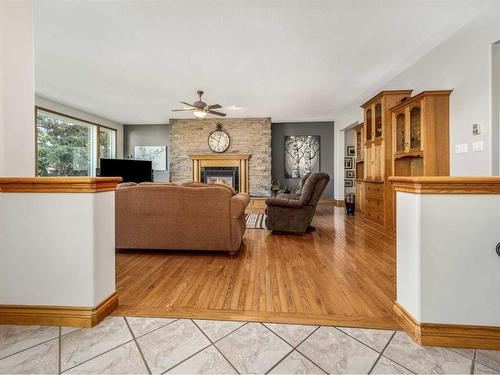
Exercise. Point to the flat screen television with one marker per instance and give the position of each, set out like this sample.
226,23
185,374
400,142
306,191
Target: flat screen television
128,169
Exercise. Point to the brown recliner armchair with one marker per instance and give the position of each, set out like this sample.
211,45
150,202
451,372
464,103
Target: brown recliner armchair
295,214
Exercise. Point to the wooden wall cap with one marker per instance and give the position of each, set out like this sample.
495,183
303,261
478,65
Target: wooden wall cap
58,184
446,185
223,156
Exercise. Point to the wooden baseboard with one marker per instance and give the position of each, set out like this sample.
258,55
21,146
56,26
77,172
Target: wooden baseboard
58,315
339,202
448,335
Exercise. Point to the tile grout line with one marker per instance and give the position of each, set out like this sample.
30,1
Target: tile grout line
392,360
31,347
382,352
215,346
185,359
98,355
361,342
59,356
153,330
137,345
294,348
202,349
473,365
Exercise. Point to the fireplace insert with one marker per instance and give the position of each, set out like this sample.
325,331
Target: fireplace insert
227,175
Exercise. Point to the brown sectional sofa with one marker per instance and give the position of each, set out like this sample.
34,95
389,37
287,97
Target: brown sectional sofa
192,216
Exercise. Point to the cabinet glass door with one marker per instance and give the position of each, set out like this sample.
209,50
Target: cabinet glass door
378,120
400,133
359,144
368,125
415,128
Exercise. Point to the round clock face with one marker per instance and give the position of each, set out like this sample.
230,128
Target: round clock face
218,141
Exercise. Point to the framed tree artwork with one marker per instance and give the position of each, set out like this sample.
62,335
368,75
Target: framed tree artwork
350,151
302,155
349,173
349,183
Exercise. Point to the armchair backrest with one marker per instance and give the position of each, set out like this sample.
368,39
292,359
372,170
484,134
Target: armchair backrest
313,188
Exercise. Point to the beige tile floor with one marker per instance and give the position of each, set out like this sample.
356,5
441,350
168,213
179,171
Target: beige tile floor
182,346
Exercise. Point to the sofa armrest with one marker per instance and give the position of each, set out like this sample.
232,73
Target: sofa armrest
283,202
239,203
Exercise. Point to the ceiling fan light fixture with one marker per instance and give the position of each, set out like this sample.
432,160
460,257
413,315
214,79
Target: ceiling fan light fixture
200,114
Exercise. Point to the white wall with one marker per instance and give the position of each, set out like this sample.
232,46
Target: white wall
68,110
57,249
17,136
349,140
148,135
447,267
462,63
495,108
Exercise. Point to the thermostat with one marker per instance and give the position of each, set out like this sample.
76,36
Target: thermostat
476,129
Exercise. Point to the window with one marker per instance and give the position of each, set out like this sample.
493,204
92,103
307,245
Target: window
67,146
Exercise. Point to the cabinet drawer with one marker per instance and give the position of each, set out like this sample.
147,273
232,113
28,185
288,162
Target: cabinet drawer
375,215
375,203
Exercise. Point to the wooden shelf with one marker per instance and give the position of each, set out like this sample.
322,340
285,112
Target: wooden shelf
411,154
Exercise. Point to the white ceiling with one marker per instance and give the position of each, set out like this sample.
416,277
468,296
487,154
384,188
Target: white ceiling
132,61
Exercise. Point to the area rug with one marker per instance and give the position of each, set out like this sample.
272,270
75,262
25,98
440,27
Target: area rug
256,221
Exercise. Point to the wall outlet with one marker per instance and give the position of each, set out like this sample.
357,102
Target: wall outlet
477,146
461,148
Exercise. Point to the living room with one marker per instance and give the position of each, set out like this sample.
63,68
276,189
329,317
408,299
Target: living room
263,187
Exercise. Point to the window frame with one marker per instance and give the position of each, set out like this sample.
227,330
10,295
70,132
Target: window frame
97,141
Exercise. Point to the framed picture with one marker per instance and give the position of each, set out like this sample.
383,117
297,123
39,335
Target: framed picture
302,155
348,183
157,154
348,163
350,151
350,174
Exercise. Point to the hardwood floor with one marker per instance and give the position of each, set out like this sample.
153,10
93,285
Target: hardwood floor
343,274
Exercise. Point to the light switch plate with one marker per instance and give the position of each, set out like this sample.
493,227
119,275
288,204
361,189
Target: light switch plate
461,148
477,146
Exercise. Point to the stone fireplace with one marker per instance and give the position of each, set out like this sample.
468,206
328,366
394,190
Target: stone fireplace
249,136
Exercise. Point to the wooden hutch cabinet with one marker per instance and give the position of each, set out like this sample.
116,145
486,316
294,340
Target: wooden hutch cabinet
403,136
421,142
372,189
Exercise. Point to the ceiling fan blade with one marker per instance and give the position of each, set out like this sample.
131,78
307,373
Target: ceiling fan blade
189,105
216,113
181,110
214,106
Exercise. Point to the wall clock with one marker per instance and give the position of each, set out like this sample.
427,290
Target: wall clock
219,140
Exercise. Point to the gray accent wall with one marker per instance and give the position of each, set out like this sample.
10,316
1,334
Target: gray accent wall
325,129
147,135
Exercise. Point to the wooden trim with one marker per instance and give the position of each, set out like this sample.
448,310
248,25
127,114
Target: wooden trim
58,184
259,316
336,202
58,315
228,156
448,335
386,92
446,185
419,96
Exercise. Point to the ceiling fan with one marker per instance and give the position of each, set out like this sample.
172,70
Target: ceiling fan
201,109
